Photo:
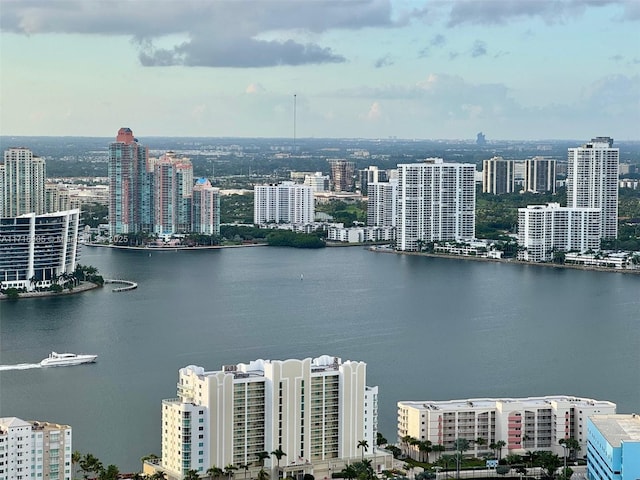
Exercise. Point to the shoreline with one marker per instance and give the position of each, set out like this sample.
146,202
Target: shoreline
173,249
509,261
82,287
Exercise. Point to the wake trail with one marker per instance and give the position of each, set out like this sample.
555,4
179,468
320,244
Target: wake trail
19,366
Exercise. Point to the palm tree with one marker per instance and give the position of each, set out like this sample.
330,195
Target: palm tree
261,457
424,447
76,456
263,474
438,448
278,453
191,475
406,441
499,445
494,448
90,463
349,472
365,447
229,469
158,475
245,467
214,472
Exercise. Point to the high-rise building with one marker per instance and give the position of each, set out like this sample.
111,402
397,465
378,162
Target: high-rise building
287,202
37,251
129,185
613,447
436,202
314,410
498,176
540,175
172,184
532,423
342,175
205,208
23,178
371,174
34,450
545,229
592,181
382,204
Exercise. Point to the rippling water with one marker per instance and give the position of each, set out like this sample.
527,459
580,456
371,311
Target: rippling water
428,328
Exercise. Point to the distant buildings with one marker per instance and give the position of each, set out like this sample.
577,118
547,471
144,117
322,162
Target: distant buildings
540,175
152,195
613,447
498,176
205,208
130,192
22,179
37,251
287,202
34,450
592,181
532,423
342,175
317,181
382,204
314,410
545,229
436,201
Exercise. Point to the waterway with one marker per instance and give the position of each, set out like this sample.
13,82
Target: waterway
428,328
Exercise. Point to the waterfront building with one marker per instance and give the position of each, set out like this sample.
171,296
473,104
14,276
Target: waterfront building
286,202
172,187
314,410
34,450
436,201
342,175
23,178
361,234
540,175
382,204
130,208
205,208
37,251
592,181
613,447
545,229
531,423
498,176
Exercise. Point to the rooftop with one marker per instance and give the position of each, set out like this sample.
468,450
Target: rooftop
618,428
484,403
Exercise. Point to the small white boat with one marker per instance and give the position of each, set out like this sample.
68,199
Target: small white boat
65,359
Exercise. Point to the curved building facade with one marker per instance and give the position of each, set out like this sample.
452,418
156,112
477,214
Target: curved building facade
37,250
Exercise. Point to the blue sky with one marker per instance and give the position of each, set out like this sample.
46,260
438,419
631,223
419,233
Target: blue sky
514,69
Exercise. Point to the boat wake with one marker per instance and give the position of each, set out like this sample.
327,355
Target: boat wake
19,366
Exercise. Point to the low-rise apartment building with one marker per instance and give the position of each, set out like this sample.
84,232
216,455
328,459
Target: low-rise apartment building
532,423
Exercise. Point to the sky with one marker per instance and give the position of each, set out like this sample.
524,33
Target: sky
513,69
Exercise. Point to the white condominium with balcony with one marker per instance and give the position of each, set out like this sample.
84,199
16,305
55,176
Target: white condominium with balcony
315,410
436,201
592,181
544,229
532,423
34,450
287,202
382,204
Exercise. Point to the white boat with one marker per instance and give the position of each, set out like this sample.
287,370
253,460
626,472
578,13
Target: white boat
65,359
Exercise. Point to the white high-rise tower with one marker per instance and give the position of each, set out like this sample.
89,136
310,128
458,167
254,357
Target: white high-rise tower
436,201
592,181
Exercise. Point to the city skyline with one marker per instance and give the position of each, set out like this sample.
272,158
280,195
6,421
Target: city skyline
367,69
